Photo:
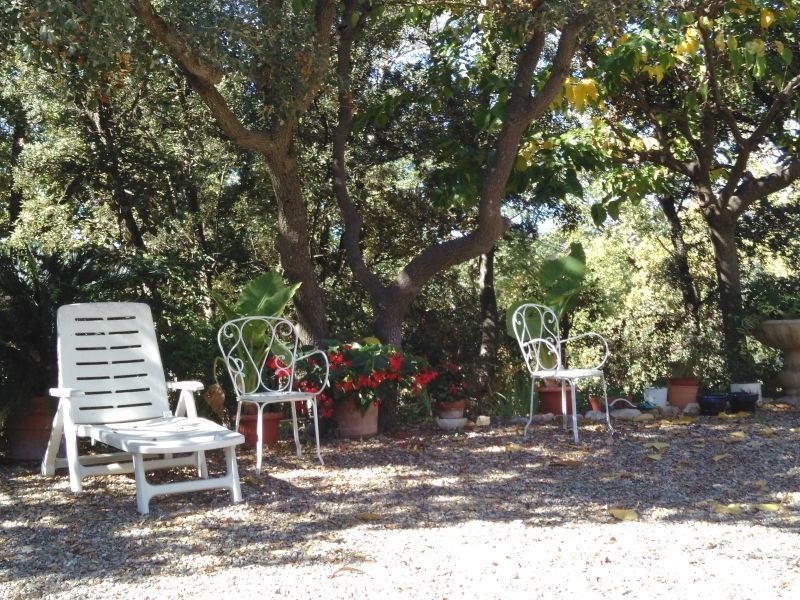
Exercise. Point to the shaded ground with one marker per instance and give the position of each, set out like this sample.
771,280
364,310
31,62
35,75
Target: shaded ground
483,514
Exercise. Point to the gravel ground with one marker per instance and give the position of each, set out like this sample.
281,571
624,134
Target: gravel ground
483,514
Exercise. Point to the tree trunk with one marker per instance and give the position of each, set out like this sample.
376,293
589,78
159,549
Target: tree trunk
488,349
293,244
722,229
681,261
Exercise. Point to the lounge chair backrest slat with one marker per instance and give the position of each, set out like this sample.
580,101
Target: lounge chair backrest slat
109,350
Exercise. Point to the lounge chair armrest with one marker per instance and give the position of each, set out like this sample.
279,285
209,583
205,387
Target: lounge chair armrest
324,356
65,392
191,386
599,337
186,406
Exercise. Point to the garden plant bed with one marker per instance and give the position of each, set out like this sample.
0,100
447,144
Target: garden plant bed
431,514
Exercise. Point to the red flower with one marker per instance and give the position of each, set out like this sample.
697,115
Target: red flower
396,361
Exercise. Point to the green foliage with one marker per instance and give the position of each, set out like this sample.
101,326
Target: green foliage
266,296
33,285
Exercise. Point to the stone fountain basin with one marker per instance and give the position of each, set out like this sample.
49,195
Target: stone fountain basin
783,334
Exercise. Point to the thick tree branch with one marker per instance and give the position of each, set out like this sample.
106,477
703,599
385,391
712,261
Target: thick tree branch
202,77
351,237
751,189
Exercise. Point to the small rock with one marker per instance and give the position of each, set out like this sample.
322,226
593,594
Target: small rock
644,418
691,409
669,410
595,415
544,418
626,414
483,421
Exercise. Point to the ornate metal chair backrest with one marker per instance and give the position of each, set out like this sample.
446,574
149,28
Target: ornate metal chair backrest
260,353
537,332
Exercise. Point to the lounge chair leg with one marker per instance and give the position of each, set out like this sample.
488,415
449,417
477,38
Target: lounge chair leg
202,465
233,473
142,493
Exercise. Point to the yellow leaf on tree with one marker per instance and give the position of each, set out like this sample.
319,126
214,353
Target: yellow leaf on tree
624,514
757,46
726,509
719,41
733,44
767,18
779,47
769,507
654,71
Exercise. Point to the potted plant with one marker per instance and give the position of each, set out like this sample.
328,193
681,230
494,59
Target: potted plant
364,374
266,295
449,391
682,385
33,284
594,397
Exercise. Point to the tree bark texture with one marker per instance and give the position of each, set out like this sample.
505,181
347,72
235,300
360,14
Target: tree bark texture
294,247
680,259
488,322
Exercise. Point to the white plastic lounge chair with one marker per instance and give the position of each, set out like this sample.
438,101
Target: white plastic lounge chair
537,332
248,346
112,390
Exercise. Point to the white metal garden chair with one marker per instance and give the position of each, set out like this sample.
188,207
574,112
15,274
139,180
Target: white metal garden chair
250,346
112,390
537,332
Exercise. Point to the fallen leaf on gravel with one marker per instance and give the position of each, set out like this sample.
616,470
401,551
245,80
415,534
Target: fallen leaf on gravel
719,457
654,456
565,463
736,436
726,509
657,445
685,420
515,448
624,514
367,516
766,431
345,569
250,479
761,484
769,507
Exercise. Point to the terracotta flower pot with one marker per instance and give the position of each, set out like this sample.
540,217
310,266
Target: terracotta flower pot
595,403
270,421
29,431
682,391
451,410
353,423
550,399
